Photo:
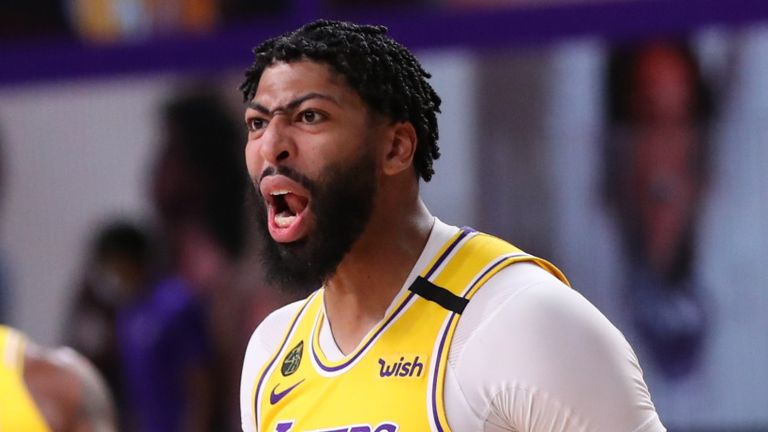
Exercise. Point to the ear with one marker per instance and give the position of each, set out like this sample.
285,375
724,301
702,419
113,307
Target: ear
400,148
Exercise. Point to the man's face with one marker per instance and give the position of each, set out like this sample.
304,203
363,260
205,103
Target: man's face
663,88
311,155
665,188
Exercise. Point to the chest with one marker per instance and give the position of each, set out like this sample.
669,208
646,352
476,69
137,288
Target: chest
385,384
396,378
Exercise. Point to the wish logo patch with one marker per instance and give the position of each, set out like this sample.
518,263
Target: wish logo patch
403,366
292,360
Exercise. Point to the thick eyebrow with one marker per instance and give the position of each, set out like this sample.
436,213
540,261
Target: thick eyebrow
292,104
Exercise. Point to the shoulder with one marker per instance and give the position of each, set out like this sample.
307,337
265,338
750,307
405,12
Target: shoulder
524,303
68,389
262,344
269,333
50,376
526,294
527,334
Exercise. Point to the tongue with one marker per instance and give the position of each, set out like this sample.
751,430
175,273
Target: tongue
284,219
296,204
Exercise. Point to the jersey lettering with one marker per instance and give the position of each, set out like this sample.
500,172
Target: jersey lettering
384,427
401,368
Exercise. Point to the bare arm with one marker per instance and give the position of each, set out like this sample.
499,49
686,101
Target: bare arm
95,411
68,390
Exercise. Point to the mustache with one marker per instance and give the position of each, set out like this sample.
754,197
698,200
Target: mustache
291,174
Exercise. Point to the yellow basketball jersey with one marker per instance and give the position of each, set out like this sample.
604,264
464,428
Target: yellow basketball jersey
394,380
18,411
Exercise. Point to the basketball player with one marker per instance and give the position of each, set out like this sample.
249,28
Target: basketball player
45,389
412,324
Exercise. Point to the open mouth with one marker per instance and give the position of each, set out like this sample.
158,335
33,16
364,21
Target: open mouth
287,204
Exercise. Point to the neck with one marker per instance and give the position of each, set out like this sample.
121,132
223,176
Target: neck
373,272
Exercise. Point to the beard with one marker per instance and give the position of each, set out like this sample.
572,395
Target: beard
342,201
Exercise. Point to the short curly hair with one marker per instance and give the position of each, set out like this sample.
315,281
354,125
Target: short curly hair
384,73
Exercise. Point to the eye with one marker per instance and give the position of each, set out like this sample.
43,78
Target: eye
255,124
310,116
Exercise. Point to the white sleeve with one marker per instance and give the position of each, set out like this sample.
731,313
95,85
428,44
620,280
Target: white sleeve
531,354
261,346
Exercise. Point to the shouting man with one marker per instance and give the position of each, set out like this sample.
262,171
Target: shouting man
410,324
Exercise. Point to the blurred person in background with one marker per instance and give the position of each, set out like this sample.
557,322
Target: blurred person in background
657,167
46,389
165,332
186,337
119,265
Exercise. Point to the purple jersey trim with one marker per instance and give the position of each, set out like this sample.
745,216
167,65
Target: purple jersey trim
464,232
444,338
493,266
436,372
367,344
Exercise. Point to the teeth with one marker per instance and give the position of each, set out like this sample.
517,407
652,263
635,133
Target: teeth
284,220
280,192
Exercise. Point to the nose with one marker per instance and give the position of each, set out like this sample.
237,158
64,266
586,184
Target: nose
277,144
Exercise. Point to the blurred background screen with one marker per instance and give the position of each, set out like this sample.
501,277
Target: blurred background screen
626,141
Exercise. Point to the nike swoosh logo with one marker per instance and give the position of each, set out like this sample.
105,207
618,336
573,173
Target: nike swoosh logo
276,397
